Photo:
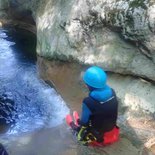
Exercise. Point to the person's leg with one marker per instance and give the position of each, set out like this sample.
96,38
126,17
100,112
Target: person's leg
76,118
98,135
74,127
71,123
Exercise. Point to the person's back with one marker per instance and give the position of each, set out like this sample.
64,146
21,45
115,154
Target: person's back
103,109
99,109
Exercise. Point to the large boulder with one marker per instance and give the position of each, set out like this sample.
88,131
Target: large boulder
95,32
133,18
79,31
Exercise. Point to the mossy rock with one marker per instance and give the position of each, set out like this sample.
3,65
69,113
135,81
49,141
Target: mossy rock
138,3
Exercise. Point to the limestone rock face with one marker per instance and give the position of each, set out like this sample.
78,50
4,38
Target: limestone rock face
79,31
134,18
4,4
96,32
21,6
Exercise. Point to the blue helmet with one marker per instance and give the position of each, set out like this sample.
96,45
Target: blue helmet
95,77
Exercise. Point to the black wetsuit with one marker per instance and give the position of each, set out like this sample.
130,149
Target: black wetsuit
104,114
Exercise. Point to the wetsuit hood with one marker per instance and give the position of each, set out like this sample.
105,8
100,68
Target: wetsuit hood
101,95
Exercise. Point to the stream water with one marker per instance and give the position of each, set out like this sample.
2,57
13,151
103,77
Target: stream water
36,104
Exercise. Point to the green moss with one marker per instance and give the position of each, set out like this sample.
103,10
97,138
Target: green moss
137,3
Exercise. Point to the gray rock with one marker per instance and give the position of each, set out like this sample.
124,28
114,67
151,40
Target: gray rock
136,94
4,4
82,31
77,31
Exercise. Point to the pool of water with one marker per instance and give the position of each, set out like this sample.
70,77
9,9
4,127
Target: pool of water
37,104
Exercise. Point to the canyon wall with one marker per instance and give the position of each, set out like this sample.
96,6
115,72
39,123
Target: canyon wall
116,35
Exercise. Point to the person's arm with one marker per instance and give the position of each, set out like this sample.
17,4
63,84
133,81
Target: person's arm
85,115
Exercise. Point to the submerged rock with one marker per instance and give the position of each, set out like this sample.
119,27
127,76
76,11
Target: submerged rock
7,108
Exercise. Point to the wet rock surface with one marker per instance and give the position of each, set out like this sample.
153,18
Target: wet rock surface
135,118
59,141
133,93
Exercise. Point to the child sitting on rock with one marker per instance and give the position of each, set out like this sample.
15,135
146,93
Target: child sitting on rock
97,125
